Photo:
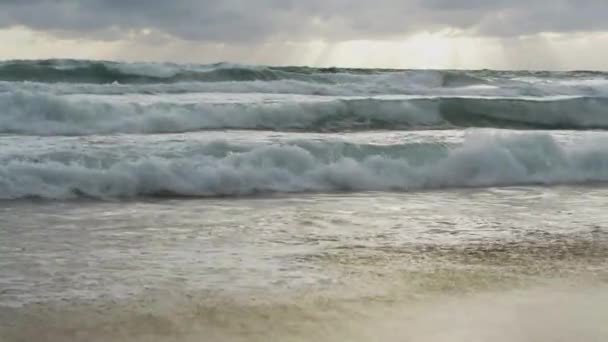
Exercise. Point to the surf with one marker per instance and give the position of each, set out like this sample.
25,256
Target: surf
26,113
481,160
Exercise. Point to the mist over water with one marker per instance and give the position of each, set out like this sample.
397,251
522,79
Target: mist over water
164,202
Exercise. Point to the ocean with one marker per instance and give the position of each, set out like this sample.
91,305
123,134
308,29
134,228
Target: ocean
224,202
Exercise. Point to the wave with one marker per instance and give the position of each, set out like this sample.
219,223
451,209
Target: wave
78,71
482,160
105,77
104,72
44,114
384,84
106,151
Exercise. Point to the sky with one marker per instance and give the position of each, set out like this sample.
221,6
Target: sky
454,34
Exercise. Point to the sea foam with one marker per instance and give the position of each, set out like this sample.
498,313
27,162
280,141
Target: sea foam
482,160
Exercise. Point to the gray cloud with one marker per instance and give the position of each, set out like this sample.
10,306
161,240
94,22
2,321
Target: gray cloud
258,20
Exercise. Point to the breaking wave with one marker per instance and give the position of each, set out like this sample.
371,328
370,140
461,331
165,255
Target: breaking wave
482,160
45,114
103,72
106,77
100,72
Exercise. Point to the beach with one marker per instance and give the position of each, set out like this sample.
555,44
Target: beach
167,202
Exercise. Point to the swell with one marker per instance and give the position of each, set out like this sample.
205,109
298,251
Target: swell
110,72
45,114
482,160
106,72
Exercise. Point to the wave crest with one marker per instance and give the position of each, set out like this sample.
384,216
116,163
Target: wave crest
482,160
103,72
44,114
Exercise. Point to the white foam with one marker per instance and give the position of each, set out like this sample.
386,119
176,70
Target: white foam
482,160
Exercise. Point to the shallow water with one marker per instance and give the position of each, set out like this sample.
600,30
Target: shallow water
512,264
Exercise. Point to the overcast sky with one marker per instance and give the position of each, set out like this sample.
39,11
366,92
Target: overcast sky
539,34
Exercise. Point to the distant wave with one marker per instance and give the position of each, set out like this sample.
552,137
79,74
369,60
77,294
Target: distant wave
77,71
105,77
482,160
45,114
105,72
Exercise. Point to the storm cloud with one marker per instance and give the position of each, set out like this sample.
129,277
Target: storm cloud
261,20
